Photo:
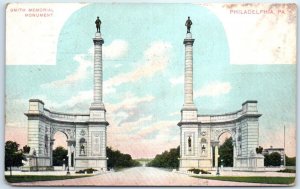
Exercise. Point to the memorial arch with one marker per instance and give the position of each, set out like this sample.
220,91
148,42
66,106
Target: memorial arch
86,133
199,134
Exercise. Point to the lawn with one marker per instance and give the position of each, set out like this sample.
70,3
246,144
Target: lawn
266,180
33,178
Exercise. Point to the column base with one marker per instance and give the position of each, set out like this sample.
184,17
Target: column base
34,168
86,162
97,106
189,107
186,164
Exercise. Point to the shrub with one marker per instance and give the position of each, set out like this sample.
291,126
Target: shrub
197,171
80,171
88,171
287,171
204,172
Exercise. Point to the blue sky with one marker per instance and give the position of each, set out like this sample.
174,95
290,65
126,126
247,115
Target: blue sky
143,76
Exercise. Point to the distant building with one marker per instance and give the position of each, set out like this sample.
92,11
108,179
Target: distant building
278,150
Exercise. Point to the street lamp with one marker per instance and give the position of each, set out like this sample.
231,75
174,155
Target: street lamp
218,171
222,163
34,155
68,168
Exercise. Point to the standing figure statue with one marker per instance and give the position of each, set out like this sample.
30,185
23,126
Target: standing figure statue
98,24
189,142
188,25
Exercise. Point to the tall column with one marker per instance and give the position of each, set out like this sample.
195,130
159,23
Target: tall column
188,72
211,156
216,155
234,154
51,152
69,155
98,75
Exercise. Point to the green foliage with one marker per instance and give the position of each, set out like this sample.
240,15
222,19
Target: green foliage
290,161
88,171
116,159
197,171
60,156
259,150
168,159
226,153
266,180
273,159
13,156
287,171
33,178
26,149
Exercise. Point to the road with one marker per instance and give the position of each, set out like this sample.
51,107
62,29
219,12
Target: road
139,176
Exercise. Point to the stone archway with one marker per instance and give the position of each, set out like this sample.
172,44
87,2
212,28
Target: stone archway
71,146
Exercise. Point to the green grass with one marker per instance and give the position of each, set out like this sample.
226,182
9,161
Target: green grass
33,178
266,180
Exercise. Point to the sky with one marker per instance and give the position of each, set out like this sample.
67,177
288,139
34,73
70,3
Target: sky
237,57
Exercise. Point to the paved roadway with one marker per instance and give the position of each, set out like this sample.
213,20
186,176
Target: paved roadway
139,176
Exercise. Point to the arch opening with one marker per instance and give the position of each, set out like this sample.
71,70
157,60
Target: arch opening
59,156
226,155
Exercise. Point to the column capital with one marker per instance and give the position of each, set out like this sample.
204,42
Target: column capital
188,41
71,142
215,144
98,41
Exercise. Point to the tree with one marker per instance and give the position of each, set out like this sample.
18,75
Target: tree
59,155
273,159
167,159
290,161
13,156
259,150
26,149
226,153
116,159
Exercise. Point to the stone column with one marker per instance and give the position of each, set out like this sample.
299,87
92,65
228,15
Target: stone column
69,155
98,75
51,152
234,154
188,71
216,155
211,156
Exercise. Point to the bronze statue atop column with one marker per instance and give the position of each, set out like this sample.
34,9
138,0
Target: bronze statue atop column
98,24
188,25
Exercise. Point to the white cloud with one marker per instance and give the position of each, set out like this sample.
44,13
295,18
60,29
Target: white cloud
177,80
80,73
214,89
259,38
129,101
117,49
156,58
114,50
177,113
34,41
117,65
81,97
161,126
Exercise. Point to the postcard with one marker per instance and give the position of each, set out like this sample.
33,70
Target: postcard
143,94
